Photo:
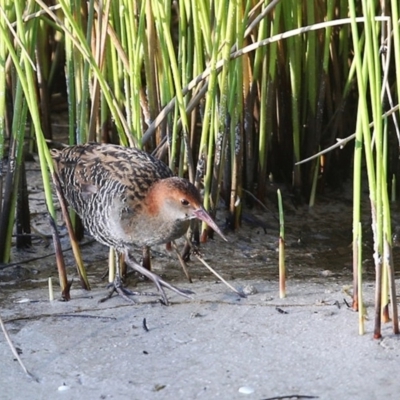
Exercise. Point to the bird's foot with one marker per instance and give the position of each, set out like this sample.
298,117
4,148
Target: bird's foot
119,288
158,281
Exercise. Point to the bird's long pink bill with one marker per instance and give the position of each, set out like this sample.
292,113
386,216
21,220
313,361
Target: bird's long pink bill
203,215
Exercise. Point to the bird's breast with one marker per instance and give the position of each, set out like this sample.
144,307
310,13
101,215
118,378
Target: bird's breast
144,230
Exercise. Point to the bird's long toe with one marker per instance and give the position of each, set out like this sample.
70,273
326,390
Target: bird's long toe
158,281
118,287
121,291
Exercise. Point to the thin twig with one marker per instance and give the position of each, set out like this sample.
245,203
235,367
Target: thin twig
201,259
261,204
182,261
28,260
342,142
14,350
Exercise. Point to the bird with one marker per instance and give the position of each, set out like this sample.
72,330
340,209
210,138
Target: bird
125,197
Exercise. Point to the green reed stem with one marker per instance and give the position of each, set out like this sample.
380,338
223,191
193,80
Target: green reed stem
386,226
24,70
357,194
137,61
388,271
226,95
311,71
260,73
361,309
292,16
7,217
394,6
3,110
170,59
207,138
282,267
79,40
311,202
83,113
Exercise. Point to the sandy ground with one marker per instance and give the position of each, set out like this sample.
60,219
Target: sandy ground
214,346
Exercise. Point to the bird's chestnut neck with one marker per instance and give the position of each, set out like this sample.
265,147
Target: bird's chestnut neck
175,191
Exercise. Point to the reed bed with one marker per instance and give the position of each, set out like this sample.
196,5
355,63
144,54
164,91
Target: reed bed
231,94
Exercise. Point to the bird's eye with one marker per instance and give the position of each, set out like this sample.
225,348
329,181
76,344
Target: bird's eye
184,202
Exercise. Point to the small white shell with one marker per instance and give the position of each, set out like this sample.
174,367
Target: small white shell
246,390
63,387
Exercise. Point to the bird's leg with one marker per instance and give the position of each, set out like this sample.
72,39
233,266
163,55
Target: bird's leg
117,285
186,251
160,283
122,264
146,258
191,235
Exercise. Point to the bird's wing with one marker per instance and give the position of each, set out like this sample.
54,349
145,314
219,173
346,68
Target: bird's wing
90,167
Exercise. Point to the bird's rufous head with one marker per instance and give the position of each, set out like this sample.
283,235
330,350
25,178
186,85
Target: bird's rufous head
178,199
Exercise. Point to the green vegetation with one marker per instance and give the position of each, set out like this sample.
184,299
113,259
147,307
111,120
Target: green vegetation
229,93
